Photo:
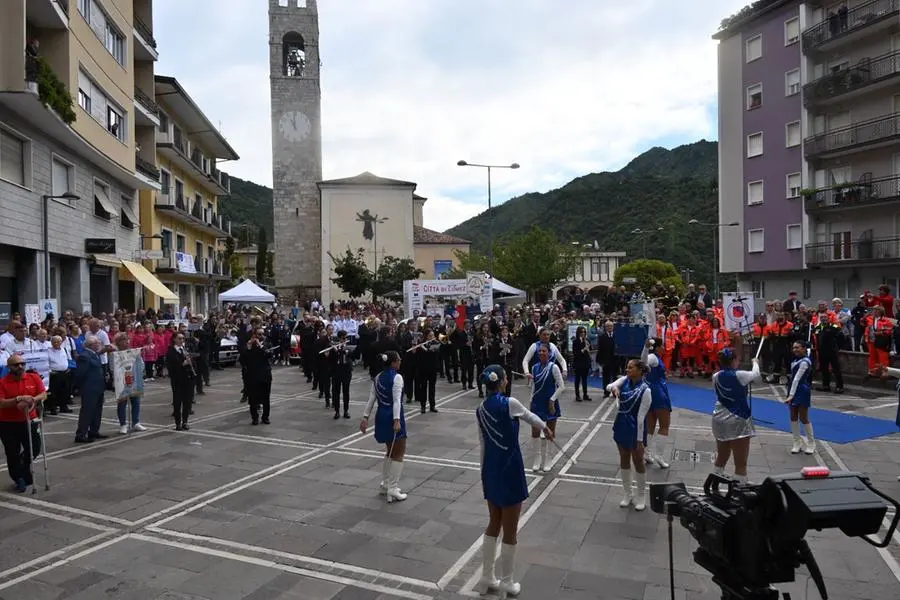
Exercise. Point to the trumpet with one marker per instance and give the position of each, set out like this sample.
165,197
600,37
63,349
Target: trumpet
333,347
424,344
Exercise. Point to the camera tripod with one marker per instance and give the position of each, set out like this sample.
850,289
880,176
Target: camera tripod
731,588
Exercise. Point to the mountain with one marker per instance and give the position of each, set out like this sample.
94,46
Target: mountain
659,189
249,207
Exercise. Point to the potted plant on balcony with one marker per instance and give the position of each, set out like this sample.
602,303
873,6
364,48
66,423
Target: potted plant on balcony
53,92
838,193
852,194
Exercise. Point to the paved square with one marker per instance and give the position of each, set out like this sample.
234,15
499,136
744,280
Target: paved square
291,510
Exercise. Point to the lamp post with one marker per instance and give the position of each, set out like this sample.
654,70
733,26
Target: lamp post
715,228
463,163
643,235
376,220
46,226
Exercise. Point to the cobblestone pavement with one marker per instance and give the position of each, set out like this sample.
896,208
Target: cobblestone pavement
291,510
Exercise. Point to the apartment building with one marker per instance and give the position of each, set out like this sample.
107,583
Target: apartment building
74,150
809,147
182,217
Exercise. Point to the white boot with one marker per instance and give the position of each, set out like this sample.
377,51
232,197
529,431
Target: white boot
545,456
811,439
385,476
798,441
626,488
393,491
536,452
648,451
508,587
640,499
660,449
489,580
719,470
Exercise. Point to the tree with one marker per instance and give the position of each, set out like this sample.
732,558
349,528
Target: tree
647,271
466,261
262,252
237,269
270,265
534,261
391,274
351,273
229,247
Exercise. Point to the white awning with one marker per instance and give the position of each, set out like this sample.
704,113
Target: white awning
130,214
102,197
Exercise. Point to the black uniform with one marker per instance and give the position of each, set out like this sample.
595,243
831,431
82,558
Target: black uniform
258,380
341,368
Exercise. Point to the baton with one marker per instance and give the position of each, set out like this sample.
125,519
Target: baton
563,452
761,344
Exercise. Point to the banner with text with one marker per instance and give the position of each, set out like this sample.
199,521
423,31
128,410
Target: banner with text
416,290
123,365
480,287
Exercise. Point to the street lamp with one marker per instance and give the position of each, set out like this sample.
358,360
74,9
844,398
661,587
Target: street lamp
463,163
643,234
715,228
46,219
376,220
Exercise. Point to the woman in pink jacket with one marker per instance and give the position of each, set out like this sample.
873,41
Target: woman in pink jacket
143,338
160,345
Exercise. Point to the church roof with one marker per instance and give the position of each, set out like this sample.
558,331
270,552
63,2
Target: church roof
429,236
366,178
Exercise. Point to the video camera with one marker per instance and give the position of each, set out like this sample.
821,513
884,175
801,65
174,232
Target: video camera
751,536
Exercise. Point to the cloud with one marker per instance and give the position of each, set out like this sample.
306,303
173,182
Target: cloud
410,87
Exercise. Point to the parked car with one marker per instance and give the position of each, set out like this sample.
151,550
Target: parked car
228,352
296,353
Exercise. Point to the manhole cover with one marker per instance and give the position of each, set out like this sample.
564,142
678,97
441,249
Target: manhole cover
693,456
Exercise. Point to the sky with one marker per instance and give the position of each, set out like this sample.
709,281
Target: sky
410,87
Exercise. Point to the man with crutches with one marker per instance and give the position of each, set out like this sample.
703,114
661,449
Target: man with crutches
21,392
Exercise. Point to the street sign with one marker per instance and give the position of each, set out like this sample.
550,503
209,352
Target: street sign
148,255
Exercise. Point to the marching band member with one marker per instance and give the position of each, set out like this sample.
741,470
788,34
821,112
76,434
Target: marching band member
481,348
547,385
799,398
322,376
732,423
502,477
778,336
827,336
606,355
506,356
449,356
341,368
581,352
660,405
717,339
629,430
427,365
879,332
390,423
467,355
532,355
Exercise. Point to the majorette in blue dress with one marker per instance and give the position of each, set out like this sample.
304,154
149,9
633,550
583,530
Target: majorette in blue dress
659,386
502,467
384,414
629,421
731,418
544,386
802,395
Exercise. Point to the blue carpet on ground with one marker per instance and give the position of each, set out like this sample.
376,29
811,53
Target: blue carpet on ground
831,426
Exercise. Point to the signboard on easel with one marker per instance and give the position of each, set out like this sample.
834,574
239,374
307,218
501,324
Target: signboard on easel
739,310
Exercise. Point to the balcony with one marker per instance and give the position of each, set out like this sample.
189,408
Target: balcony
846,252
145,45
147,171
874,133
181,208
859,22
866,192
194,267
147,113
175,146
48,14
869,74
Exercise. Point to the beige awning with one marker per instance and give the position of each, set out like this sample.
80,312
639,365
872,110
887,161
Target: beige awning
149,281
130,214
102,197
107,261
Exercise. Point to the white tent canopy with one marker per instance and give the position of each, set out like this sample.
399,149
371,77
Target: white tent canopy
247,291
503,289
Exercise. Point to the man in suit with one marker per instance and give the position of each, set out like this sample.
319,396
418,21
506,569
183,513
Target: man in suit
182,374
91,381
606,356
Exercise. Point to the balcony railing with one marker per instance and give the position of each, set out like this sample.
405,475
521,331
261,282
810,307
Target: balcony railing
860,134
145,31
146,101
866,72
197,211
853,251
168,197
835,24
146,168
866,191
221,269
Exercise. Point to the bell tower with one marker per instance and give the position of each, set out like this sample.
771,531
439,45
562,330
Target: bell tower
296,146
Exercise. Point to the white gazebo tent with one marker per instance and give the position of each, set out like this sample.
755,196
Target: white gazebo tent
249,292
503,290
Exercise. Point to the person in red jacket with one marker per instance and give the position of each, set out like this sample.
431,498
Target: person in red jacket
886,299
20,394
879,335
716,339
778,337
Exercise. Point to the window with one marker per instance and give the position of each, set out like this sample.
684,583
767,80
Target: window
792,82
283,3
791,31
115,122
180,243
842,245
84,7
103,208
755,192
165,182
115,43
62,178
793,185
754,48
127,218
84,99
807,289
758,288
841,288
794,237
755,240
13,157
754,144
754,96
163,122
792,134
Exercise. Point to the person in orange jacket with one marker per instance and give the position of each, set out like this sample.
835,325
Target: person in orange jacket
778,337
667,339
879,333
687,335
715,340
